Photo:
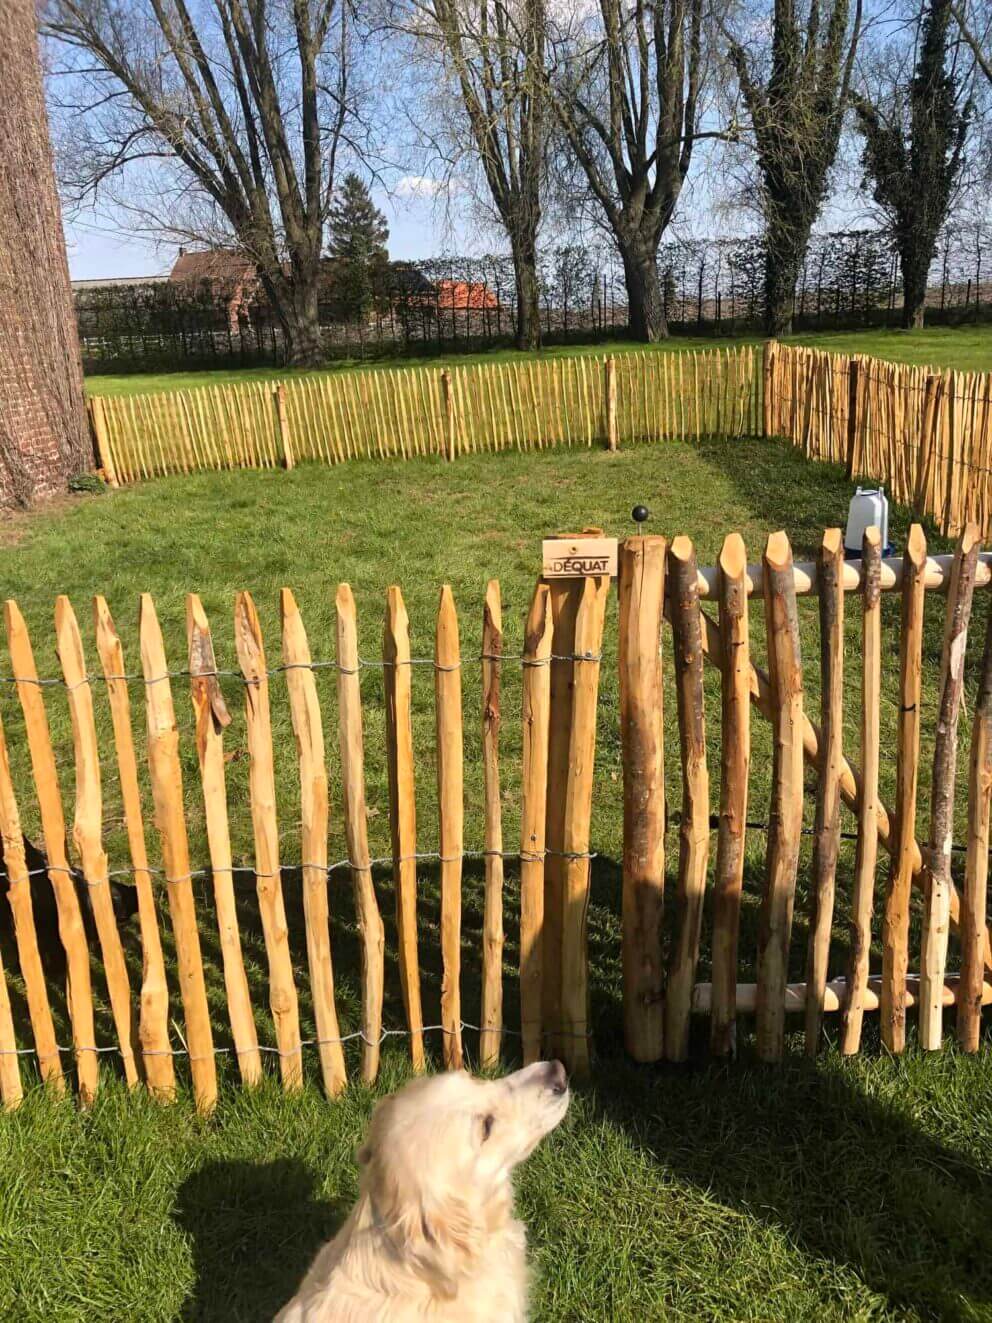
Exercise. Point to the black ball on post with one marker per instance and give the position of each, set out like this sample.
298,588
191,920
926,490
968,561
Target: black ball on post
640,513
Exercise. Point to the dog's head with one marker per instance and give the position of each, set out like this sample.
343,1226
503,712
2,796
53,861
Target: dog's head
437,1162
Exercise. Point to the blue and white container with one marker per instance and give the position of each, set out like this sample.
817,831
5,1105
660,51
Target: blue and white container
869,508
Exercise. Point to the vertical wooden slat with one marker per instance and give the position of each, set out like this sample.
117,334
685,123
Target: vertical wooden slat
564,599
403,809
153,1019
895,928
262,789
70,919
492,935
687,651
25,932
352,753
971,925
535,723
11,1091
102,434
450,432
735,757
610,387
525,367
211,718
282,421
866,854
826,830
304,709
450,773
87,829
167,792
578,808
769,418
786,815
406,438
642,597
937,861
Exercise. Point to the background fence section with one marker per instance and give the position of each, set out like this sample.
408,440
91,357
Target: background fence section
401,412
849,278
144,1014
926,434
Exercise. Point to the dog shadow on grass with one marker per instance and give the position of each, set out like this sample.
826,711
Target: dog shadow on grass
254,1228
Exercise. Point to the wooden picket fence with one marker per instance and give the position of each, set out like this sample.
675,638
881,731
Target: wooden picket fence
401,412
561,665
925,433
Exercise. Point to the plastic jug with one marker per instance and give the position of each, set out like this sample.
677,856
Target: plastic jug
869,506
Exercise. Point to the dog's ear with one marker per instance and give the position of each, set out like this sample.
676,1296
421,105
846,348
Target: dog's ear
438,1232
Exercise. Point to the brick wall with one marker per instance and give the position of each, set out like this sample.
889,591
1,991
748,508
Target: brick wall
43,432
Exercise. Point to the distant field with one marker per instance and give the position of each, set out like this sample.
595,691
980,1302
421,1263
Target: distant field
968,348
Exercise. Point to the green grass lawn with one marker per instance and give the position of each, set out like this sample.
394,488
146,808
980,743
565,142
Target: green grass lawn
968,348
857,1190
808,1194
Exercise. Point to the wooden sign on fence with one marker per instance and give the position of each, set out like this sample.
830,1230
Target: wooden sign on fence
579,556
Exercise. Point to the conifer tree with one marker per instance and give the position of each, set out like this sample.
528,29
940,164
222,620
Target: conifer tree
357,238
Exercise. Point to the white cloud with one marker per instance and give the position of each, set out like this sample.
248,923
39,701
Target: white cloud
418,186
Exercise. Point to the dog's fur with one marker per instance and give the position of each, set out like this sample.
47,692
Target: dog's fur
433,1236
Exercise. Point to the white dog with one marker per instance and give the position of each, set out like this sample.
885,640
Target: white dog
433,1236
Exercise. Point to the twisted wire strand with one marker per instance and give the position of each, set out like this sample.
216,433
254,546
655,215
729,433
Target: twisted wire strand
526,856
358,1035
364,663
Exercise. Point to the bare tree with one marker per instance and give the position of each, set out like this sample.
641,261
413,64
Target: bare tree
251,98
44,439
914,139
796,99
976,28
492,52
624,84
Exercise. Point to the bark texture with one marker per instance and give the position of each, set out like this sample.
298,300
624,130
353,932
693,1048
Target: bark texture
44,438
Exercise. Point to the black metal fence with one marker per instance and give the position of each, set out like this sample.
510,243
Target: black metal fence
849,279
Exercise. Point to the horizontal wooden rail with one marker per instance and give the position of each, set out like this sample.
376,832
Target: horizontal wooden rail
936,576
835,997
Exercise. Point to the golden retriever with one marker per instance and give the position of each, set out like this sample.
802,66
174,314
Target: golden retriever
433,1236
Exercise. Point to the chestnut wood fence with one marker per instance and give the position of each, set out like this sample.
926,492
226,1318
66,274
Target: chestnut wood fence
162,1020
386,413
925,433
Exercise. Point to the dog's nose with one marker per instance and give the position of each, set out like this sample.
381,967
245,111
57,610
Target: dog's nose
557,1077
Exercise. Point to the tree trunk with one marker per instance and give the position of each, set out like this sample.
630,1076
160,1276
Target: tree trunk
915,272
785,248
528,328
44,438
645,297
294,302
304,341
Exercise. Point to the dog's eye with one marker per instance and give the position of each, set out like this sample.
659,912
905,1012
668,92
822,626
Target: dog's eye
487,1127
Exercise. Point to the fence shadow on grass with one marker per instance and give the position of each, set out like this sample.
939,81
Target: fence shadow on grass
254,1229
846,1178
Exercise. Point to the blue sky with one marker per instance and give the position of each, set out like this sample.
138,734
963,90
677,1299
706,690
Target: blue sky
98,248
